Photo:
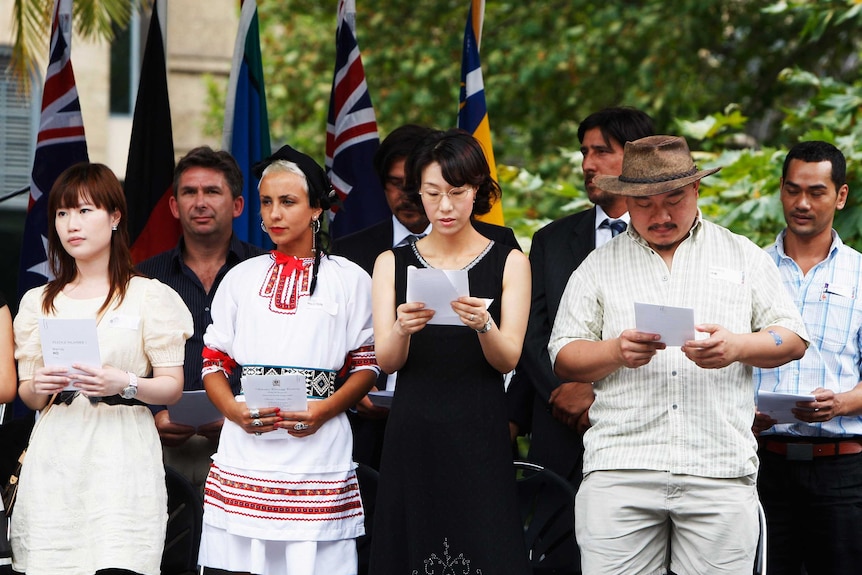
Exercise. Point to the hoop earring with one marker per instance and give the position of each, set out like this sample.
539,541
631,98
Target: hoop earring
262,226
315,226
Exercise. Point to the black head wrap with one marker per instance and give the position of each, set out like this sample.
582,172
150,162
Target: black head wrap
320,192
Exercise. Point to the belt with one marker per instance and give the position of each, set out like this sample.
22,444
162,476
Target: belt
806,451
68,397
319,383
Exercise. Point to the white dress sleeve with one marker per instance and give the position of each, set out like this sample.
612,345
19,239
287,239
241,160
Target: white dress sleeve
28,346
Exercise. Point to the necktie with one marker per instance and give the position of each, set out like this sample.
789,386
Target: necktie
617,226
412,239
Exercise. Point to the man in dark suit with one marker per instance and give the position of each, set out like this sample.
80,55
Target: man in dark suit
560,408
407,224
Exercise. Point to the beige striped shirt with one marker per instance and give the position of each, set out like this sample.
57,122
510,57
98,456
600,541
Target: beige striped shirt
670,414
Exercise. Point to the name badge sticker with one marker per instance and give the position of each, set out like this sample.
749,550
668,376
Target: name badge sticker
132,322
727,275
330,307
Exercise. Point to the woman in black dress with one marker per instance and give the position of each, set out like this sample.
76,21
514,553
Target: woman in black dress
446,497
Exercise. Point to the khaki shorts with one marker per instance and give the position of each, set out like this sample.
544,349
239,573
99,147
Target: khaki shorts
640,521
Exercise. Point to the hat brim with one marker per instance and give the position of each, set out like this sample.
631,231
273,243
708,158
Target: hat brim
613,185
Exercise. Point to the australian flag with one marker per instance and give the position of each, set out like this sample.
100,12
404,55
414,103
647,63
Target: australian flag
60,144
351,135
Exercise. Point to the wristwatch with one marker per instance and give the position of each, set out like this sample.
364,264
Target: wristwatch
131,390
487,327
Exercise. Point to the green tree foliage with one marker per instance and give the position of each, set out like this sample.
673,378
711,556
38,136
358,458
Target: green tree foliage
548,64
742,79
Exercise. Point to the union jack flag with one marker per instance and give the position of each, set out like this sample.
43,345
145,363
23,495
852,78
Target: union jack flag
60,144
351,135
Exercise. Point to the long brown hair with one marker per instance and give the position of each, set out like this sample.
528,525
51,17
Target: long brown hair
97,184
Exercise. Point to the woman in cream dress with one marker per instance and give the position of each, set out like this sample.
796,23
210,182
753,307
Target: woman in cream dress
92,493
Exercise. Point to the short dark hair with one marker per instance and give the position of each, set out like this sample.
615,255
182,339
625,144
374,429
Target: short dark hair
462,162
397,146
206,157
621,123
819,151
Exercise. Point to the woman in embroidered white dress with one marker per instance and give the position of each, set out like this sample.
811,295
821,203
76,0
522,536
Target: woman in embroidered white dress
92,493
282,496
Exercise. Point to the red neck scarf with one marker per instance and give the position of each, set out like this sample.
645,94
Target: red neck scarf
290,263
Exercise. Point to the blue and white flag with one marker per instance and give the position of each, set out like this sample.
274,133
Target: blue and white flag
246,125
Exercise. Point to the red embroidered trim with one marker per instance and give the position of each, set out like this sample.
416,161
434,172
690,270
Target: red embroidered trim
354,503
285,289
285,491
361,357
284,518
343,497
218,359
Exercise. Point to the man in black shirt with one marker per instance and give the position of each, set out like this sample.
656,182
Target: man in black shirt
207,197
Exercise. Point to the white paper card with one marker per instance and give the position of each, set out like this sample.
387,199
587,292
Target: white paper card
287,392
437,289
382,398
778,405
675,325
194,409
68,341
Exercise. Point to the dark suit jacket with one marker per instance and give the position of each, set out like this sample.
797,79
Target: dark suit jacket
362,248
557,250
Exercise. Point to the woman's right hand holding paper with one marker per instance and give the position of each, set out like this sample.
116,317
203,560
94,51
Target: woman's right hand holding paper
411,317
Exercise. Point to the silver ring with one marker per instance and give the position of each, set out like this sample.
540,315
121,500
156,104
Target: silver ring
301,426
254,413
472,316
257,423
258,433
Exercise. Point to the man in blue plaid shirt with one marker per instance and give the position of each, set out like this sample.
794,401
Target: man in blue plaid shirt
810,479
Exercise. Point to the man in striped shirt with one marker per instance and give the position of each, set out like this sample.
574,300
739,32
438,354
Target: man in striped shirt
670,461
810,479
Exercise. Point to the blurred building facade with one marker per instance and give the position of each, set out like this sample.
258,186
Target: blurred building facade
200,39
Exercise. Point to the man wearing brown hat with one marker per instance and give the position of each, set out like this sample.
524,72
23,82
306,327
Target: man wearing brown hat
670,461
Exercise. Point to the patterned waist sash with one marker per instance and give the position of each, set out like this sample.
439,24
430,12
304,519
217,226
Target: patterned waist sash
319,383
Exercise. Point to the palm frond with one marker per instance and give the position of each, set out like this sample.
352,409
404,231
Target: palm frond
31,23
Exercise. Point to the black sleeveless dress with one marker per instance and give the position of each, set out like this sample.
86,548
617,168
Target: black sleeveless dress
446,500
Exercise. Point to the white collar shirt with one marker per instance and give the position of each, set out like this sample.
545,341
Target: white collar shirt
604,234
401,235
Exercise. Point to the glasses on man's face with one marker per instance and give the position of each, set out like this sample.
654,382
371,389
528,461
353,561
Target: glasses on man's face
395,182
455,194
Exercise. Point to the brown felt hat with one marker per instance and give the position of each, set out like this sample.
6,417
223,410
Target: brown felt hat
654,165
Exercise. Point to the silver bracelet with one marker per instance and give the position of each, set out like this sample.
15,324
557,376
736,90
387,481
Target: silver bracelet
487,327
